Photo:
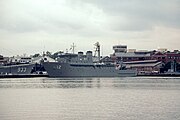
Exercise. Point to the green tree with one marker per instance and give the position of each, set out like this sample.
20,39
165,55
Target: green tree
36,55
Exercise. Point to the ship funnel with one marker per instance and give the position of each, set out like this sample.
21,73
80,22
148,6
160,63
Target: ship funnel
80,55
89,56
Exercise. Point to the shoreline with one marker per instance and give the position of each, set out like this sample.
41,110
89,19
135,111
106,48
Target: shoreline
36,75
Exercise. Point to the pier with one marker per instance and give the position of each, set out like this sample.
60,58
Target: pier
23,76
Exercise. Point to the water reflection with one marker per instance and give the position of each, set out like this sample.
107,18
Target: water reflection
66,83
50,83
136,98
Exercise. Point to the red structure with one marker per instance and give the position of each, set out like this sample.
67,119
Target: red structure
166,57
121,54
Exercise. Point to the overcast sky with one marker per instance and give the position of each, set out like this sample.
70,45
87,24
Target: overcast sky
33,26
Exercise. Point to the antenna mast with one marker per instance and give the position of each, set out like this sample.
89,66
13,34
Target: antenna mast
72,47
97,50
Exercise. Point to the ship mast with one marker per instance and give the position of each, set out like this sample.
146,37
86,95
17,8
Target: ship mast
72,47
97,50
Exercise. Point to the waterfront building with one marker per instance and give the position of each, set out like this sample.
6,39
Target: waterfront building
146,66
121,54
167,57
120,48
172,57
159,56
143,60
162,50
3,60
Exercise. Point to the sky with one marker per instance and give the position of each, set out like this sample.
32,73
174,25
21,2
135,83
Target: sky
33,26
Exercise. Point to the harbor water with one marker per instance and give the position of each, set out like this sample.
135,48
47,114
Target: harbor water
123,98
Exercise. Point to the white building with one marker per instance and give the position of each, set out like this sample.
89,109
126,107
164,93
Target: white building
120,48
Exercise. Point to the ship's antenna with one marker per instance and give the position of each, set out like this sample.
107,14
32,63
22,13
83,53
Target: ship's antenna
44,53
101,50
97,45
72,48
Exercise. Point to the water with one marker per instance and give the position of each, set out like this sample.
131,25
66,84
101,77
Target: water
126,98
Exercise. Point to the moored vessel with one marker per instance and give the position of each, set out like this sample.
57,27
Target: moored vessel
21,69
80,65
16,66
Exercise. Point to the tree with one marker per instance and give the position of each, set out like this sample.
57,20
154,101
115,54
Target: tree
48,53
56,54
36,55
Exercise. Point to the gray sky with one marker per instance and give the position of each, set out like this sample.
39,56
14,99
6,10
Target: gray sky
31,26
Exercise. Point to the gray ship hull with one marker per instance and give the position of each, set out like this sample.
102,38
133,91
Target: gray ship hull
21,69
57,69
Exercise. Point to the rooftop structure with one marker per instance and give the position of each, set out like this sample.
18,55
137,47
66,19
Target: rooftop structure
163,50
121,54
120,48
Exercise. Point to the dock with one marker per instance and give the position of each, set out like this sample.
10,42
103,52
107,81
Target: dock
23,76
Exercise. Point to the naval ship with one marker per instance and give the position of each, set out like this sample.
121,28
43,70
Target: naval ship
80,65
21,69
22,66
